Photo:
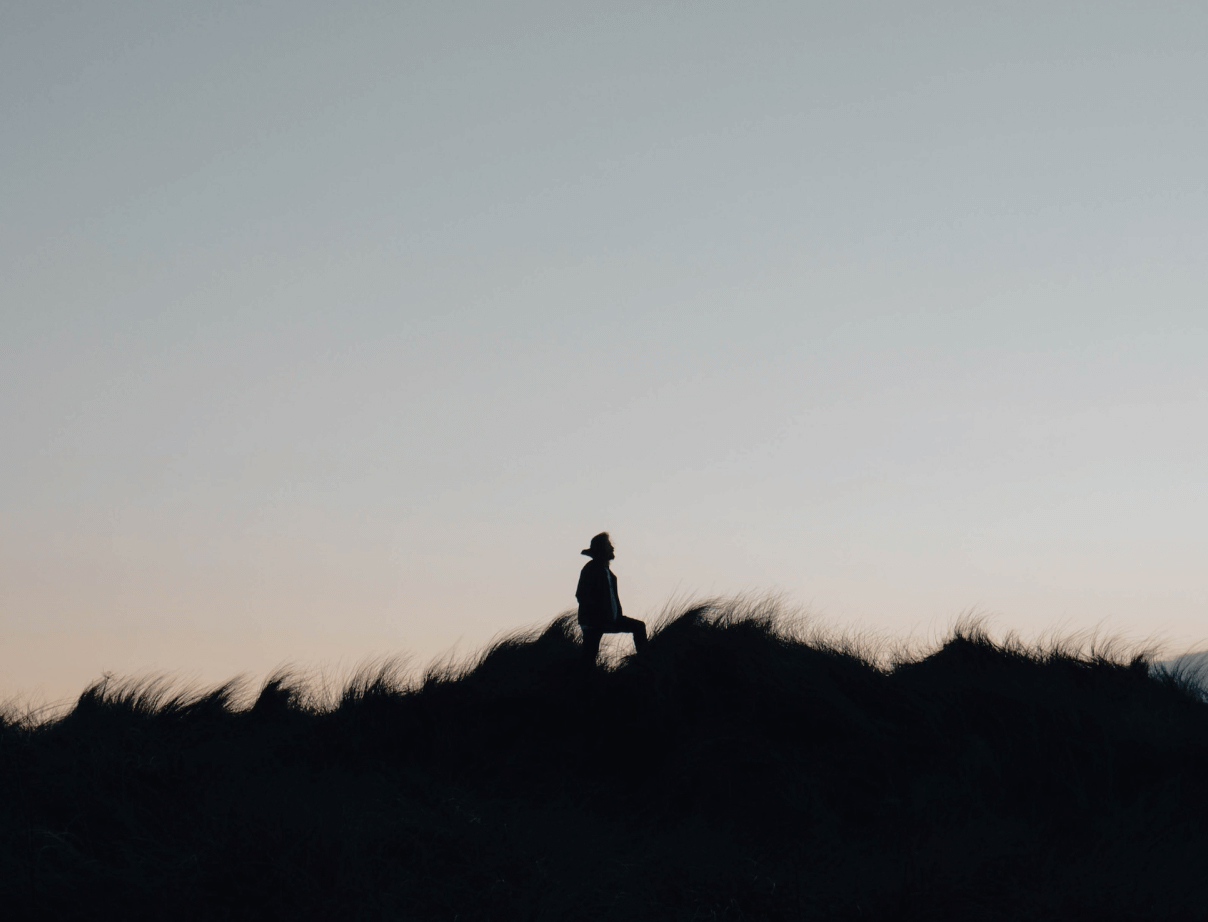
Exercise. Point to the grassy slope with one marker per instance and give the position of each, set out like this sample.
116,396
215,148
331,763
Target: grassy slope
734,772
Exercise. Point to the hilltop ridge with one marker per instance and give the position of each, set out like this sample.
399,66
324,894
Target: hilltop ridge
743,768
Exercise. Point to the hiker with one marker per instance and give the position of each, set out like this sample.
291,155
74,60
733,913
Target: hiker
599,606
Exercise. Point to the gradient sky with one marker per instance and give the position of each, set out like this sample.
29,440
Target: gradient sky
336,330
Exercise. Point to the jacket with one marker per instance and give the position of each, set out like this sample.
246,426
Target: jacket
595,599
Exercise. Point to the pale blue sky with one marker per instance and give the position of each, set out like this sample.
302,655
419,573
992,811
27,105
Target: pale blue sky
332,330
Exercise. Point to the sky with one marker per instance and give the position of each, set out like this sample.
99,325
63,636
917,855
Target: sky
335,331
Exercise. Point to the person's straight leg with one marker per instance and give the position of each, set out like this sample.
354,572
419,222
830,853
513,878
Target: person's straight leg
591,643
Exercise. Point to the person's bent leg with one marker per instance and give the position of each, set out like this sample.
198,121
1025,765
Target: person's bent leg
636,628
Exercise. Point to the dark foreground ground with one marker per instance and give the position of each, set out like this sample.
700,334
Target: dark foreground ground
734,772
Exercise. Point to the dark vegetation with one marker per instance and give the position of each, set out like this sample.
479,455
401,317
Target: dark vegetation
740,770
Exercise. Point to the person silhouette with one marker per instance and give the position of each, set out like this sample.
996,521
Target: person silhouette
599,604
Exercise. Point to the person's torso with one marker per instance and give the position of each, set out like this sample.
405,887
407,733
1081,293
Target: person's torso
597,592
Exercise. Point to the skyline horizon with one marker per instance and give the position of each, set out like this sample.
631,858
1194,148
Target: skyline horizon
329,674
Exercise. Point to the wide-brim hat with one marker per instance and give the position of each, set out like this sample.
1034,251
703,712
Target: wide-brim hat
598,544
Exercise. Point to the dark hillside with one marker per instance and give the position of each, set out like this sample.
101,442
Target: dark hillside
736,771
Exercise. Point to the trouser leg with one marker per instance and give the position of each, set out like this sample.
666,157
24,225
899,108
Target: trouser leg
636,628
591,643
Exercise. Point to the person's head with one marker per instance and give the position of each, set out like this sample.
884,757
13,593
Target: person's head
600,547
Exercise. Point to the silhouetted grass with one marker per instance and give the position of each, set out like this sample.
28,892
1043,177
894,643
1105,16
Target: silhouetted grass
744,768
